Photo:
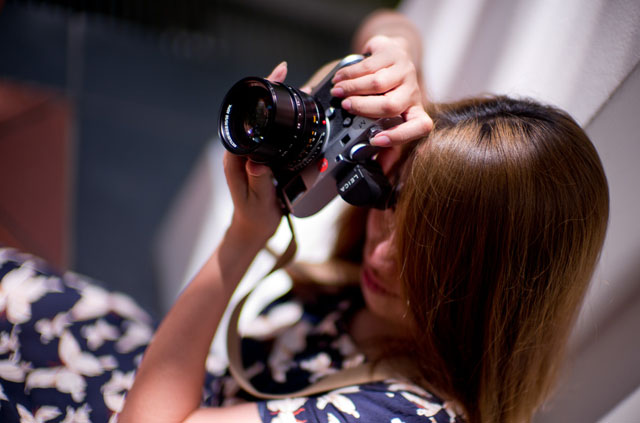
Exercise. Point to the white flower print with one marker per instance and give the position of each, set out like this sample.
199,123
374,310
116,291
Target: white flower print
278,318
425,408
396,386
9,341
354,361
286,346
286,410
114,390
138,359
332,419
13,369
319,366
216,364
419,397
50,329
453,409
98,333
79,361
20,288
80,415
396,420
340,401
69,378
12,254
42,414
328,325
97,302
345,345
137,334
60,378
3,396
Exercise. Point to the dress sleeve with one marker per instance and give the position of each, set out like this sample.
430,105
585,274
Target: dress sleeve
381,402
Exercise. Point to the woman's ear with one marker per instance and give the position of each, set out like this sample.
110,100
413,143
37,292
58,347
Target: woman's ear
388,156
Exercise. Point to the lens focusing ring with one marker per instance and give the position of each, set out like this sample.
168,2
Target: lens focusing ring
291,129
312,133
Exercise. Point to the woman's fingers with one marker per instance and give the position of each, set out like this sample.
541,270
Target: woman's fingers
279,73
366,66
417,125
259,180
391,104
379,82
247,180
256,208
234,171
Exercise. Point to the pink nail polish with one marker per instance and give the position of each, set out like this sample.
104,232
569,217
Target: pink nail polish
381,141
346,104
337,92
337,78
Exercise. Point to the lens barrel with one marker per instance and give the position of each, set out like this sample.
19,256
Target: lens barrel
272,123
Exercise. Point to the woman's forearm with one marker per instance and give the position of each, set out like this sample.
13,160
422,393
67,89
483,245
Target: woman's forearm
168,385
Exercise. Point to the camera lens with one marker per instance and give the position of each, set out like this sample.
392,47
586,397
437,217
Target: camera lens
272,123
255,122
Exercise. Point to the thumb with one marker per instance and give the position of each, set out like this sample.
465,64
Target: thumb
259,178
279,73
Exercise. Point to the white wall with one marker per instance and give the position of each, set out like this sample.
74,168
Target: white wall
605,363
583,57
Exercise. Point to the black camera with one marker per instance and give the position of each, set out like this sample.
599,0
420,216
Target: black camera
314,147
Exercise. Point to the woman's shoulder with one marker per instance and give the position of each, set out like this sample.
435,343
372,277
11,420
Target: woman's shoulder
390,401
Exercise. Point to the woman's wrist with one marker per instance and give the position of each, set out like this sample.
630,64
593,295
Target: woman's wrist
248,236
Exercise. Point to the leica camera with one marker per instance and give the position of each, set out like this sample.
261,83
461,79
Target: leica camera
316,149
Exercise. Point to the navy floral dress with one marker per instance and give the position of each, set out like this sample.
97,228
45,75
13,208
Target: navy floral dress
69,350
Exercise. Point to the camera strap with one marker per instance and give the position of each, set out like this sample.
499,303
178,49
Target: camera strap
363,373
285,258
360,374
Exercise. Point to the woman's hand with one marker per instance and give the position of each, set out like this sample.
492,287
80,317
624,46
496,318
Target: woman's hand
168,384
256,208
385,84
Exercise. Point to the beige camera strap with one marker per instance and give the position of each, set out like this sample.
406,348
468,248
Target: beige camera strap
360,374
363,373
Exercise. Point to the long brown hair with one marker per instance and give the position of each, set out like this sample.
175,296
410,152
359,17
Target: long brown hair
500,222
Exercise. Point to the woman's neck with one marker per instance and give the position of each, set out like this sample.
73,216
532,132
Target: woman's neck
368,330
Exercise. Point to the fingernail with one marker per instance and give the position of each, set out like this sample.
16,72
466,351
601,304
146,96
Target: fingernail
346,104
381,141
283,63
337,92
337,78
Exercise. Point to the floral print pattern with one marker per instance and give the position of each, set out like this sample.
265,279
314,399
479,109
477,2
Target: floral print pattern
68,347
69,350
316,343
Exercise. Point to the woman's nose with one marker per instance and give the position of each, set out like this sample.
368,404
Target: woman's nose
382,254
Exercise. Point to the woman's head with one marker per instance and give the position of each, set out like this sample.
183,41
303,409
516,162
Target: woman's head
499,223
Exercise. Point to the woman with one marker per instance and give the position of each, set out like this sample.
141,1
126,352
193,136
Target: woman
476,276
469,283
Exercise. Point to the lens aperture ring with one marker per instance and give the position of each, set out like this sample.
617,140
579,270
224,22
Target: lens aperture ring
313,129
312,148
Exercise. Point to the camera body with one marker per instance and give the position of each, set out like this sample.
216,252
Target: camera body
315,148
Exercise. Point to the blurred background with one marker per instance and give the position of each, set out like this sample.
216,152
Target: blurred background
105,107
